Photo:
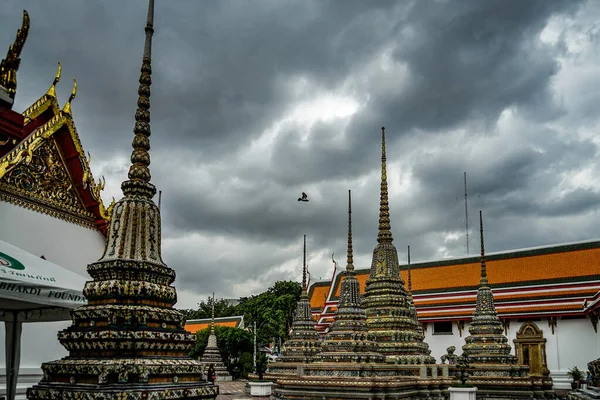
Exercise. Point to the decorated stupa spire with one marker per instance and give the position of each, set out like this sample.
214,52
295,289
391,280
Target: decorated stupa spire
483,281
385,255
391,316
486,343
348,339
138,183
350,255
385,233
303,343
409,278
128,340
135,229
304,287
10,64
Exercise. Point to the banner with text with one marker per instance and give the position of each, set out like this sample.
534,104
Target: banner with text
27,278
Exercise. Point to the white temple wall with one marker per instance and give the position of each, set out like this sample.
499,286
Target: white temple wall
63,243
574,342
438,343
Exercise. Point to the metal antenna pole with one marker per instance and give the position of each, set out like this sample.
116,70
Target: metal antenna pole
254,361
466,214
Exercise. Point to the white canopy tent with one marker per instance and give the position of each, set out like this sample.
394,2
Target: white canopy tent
32,290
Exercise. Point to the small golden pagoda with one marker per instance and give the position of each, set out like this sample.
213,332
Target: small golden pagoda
496,372
128,342
390,316
212,355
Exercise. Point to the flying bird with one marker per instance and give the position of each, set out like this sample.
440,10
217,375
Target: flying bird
304,197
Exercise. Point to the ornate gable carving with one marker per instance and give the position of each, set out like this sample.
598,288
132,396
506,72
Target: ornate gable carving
529,330
42,182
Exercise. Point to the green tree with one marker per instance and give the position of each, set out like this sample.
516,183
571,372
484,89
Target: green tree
273,311
246,363
261,365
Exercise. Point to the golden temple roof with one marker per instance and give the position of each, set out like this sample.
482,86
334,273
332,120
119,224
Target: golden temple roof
197,325
44,130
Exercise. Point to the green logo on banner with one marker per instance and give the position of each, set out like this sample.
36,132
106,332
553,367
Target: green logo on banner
9,262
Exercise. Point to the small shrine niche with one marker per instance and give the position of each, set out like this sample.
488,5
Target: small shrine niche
530,348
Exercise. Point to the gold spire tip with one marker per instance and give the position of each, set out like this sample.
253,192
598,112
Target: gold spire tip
409,277
483,280
139,176
385,234
350,260
304,288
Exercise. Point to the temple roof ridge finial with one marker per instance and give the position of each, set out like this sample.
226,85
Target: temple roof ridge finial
10,65
52,89
350,259
139,176
67,107
484,280
385,234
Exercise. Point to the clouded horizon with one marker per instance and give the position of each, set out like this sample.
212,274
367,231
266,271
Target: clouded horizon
254,102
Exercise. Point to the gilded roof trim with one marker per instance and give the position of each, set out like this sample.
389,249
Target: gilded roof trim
88,178
24,152
44,102
46,209
40,106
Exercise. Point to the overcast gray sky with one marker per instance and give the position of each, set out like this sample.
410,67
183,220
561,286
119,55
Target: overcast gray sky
254,102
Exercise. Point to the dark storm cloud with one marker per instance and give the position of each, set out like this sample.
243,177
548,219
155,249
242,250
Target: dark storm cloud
439,75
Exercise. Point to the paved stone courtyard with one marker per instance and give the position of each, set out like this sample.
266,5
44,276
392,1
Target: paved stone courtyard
234,390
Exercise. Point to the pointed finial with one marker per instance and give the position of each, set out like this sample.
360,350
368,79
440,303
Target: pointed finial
483,281
304,268
350,261
52,90
10,64
409,280
138,183
67,107
385,234
212,321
